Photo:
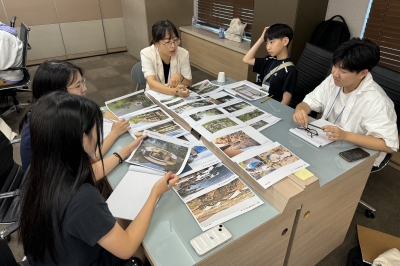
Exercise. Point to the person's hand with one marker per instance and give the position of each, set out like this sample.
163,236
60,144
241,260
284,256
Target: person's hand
262,35
165,183
134,144
120,127
300,117
181,91
334,133
174,80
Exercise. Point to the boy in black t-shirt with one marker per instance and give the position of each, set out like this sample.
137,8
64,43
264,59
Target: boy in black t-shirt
277,74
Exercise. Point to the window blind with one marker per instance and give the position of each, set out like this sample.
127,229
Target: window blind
216,13
383,28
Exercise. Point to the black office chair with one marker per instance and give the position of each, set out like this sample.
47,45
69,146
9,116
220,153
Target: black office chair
12,21
21,86
314,65
6,256
137,75
389,80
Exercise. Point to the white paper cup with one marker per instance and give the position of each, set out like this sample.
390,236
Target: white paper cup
221,77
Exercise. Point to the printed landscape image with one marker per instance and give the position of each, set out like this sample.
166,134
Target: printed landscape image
208,89
249,92
267,162
217,125
170,129
130,104
235,143
198,87
147,118
175,103
250,115
159,155
169,99
237,106
259,124
195,182
191,105
218,200
200,115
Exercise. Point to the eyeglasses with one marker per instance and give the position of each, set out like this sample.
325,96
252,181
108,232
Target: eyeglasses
310,132
169,44
82,85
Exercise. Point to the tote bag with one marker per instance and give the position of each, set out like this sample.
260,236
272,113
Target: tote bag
235,30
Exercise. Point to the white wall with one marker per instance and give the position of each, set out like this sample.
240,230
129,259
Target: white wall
353,11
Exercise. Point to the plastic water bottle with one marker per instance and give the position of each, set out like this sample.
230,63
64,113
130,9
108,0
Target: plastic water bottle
194,21
221,33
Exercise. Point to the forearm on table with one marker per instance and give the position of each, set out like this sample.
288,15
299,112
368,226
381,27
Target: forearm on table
369,142
251,54
158,86
303,106
106,145
186,82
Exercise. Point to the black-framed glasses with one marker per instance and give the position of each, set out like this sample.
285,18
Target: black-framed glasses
310,132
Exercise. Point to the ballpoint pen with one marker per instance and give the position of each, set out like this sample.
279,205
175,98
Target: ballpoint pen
266,99
315,126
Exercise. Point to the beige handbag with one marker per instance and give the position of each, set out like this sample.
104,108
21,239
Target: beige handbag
235,30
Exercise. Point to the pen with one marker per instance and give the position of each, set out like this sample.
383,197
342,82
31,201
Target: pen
314,126
266,99
168,183
181,89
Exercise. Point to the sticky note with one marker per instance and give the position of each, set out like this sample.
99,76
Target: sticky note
304,174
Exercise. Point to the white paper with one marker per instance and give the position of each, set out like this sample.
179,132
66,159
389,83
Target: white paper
197,116
246,90
251,116
264,123
147,118
238,107
270,163
222,98
107,125
129,104
6,130
319,140
239,141
161,153
129,197
218,125
184,107
170,128
191,98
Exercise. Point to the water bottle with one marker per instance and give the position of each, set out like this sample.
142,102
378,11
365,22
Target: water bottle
221,33
194,22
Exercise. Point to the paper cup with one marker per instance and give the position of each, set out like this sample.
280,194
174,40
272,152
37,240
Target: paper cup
221,77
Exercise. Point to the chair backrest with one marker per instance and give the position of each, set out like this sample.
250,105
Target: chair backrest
12,21
389,80
6,158
313,67
137,74
6,256
24,36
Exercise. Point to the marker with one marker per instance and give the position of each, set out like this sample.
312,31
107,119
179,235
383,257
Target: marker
266,99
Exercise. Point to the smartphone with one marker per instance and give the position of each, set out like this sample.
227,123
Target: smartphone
210,239
354,154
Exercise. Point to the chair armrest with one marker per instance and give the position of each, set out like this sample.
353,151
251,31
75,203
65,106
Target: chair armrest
9,230
14,68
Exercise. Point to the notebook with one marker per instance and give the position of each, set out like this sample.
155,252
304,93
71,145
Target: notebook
129,197
7,130
319,140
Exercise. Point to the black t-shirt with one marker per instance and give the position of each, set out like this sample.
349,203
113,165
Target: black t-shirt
280,81
166,71
87,220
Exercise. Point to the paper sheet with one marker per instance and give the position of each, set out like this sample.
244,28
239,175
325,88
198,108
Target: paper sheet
246,90
7,130
319,140
129,104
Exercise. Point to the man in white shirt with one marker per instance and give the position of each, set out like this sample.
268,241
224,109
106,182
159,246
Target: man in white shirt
352,100
11,49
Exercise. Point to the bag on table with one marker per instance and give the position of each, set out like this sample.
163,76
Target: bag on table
236,30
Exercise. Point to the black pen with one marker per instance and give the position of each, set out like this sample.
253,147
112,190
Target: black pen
315,126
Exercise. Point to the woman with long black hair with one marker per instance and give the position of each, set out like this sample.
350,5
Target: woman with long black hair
65,220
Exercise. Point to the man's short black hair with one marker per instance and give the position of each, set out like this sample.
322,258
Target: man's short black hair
356,55
279,31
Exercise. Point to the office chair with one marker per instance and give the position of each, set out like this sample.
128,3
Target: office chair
21,86
6,256
389,80
137,75
12,21
314,65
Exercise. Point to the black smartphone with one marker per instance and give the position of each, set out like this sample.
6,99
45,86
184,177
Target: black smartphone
354,154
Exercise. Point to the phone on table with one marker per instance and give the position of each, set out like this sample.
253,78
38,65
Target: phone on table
210,239
354,154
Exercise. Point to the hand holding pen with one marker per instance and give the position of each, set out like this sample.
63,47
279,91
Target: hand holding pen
181,91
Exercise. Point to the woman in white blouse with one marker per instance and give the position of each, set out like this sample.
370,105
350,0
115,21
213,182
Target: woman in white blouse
165,65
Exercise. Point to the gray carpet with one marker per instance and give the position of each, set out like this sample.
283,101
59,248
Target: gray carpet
109,77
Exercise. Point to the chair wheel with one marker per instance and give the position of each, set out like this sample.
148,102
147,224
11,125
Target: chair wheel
8,238
369,214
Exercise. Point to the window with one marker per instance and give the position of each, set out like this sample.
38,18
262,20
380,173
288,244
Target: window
214,13
383,28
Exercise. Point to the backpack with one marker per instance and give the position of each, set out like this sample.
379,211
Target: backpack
331,33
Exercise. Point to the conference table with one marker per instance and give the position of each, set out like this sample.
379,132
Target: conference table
300,222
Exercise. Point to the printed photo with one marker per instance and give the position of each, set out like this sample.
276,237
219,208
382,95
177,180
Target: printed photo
249,92
217,125
259,124
123,106
199,86
235,143
219,200
200,180
152,116
192,105
267,162
207,113
170,128
237,106
159,155
208,89
175,103
169,99
221,100
250,115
